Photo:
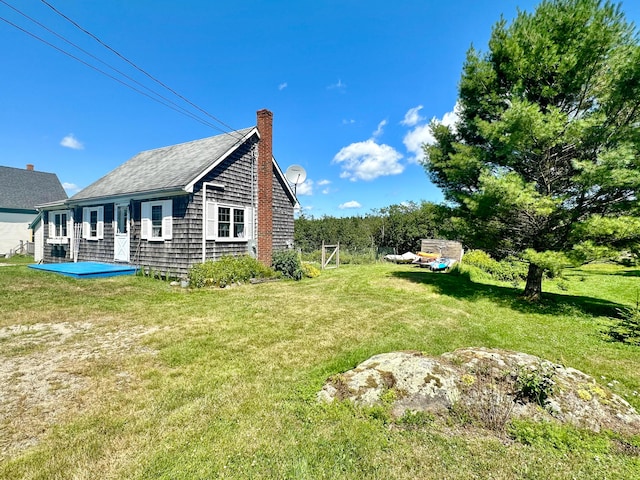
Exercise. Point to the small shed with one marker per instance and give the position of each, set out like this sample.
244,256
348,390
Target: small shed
444,248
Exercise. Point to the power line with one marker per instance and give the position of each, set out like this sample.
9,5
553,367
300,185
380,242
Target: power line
93,67
136,66
41,25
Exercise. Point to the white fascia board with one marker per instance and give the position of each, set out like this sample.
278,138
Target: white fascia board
284,180
190,186
127,197
60,204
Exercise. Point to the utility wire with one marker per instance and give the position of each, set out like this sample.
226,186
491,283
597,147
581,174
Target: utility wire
188,114
135,66
178,107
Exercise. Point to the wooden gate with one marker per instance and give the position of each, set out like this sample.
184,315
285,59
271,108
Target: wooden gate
335,253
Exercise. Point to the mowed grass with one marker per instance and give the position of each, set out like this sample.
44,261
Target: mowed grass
222,383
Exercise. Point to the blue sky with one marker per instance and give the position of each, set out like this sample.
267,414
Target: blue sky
352,85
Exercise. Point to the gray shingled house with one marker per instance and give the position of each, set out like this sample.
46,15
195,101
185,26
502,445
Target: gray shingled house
20,191
170,208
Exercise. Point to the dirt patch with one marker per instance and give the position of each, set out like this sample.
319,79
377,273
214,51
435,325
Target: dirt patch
43,374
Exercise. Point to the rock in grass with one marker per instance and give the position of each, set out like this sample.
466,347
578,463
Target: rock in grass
489,385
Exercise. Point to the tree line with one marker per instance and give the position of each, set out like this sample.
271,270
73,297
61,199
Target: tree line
396,228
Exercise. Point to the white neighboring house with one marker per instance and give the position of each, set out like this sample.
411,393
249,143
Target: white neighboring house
20,191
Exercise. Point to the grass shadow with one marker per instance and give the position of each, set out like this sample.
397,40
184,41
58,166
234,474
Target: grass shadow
628,273
460,285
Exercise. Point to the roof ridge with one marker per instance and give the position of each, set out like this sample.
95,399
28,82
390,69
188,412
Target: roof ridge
242,131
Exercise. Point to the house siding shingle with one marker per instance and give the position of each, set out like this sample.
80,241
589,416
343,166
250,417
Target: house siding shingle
282,216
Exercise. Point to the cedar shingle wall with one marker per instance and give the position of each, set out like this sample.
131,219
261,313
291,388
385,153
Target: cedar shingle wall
282,216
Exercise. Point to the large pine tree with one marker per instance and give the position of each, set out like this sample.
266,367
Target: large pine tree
545,154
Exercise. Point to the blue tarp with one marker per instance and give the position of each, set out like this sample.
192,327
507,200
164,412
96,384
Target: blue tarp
86,269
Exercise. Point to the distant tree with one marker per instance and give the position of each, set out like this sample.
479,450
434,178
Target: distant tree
544,157
404,225
398,227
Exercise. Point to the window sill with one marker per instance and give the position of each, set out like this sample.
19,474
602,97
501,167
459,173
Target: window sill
229,240
58,241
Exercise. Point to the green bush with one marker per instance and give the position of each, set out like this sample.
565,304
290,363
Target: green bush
309,270
536,383
227,270
508,270
288,264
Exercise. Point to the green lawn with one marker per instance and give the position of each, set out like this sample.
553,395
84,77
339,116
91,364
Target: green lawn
131,378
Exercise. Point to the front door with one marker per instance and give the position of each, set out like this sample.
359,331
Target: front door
121,230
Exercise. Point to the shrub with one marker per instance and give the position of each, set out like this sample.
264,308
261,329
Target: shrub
288,264
227,270
509,269
488,401
309,270
536,383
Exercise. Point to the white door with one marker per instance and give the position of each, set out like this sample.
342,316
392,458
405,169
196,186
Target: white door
121,232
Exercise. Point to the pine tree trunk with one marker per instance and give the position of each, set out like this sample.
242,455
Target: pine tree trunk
533,289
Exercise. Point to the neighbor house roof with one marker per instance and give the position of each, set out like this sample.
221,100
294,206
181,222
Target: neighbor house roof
166,169
22,189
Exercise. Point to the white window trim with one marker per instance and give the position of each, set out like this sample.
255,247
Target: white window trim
86,223
63,239
146,231
211,222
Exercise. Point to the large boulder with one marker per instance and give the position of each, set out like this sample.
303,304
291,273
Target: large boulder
497,385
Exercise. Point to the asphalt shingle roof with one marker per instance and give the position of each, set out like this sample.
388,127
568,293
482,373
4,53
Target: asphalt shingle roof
24,189
167,168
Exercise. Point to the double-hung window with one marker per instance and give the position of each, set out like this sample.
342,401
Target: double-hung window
157,220
60,222
59,226
227,222
93,223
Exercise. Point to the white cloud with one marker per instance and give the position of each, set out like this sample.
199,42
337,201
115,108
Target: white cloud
282,86
305,188
380,129
349,121
451,118
322,183
412,117
70,188
421,134
351,204
70,141
368,160
415,139
326,191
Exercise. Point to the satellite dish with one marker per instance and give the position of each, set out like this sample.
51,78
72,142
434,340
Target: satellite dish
295,174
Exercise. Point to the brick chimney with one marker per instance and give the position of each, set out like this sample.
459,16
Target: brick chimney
30,167
265,187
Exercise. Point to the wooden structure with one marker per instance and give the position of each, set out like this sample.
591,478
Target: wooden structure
170,208
444,248
334,255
